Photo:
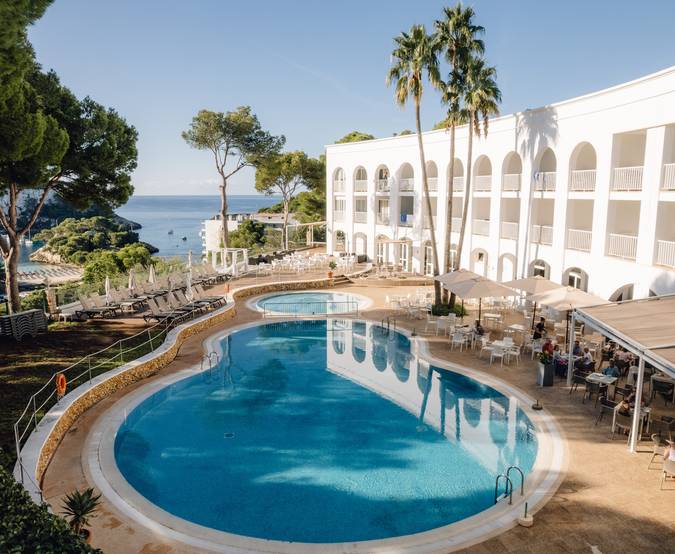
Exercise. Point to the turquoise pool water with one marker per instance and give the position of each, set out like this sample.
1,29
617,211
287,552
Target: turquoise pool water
309,303
323,431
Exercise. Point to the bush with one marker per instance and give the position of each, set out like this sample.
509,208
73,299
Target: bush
444,309
28,527
132,255
34,300
99,264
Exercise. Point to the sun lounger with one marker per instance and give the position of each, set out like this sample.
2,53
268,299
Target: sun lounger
159,315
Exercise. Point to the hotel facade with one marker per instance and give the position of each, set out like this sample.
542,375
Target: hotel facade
581,192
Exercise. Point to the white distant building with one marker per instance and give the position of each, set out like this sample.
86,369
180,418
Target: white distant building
580,191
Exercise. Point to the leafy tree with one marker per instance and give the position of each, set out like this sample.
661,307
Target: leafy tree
134,254
78,150
235,136
285,174
99,264
414,55
354,136
249,234
405,132
458,36
481,98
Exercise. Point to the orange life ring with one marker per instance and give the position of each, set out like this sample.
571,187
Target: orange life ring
60,384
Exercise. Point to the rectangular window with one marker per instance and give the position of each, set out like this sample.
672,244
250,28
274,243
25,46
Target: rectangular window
361,205
339,204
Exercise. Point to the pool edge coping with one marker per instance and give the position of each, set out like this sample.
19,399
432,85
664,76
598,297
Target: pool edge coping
99,465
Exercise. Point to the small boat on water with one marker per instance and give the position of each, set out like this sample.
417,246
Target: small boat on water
170,232
183,238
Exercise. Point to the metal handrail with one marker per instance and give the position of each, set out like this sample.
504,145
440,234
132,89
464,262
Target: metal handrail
522,478
33,411
508,491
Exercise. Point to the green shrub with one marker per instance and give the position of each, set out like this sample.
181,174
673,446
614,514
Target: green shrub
34,300
99,264
28,527
444,309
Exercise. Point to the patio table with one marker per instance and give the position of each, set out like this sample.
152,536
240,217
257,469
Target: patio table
662,379
601,378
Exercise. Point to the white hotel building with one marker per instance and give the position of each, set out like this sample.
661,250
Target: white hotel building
581,191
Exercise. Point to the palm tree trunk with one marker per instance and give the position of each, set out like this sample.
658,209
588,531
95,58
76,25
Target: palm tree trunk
427,200
448,227
467,194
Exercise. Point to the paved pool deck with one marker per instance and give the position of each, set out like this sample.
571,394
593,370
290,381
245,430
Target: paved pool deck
608,501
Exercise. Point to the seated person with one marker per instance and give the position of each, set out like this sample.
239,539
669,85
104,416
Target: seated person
478,329
577,351
669,451
559,363
586,360
611,369
539,329
624,407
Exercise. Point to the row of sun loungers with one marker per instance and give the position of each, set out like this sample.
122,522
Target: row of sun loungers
176,306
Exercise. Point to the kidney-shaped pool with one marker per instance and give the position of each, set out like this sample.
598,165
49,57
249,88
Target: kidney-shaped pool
323,431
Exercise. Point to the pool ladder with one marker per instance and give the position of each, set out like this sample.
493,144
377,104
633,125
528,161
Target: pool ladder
209,359
388,320
508,484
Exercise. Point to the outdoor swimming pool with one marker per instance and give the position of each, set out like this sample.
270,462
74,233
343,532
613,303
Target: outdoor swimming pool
310,303
323,431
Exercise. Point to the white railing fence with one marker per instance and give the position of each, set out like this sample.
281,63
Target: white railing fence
579,239
310,309
458,184
481,227
627,178
360,217
668,177
425,220
483,183
541,234
338,215
383,219
456,224
665,253
509,230
360,185
622,246
432,182
406,184
545,181
511,182
339,185
582,180
382,185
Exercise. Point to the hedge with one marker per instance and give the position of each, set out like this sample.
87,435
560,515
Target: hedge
26,527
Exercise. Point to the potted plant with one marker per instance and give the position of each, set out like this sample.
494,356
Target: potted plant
79,508
331,267
545,369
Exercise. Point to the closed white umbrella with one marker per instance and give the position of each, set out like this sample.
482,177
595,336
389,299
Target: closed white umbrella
189,260
480,288
188,285
107,290
152,278
132,282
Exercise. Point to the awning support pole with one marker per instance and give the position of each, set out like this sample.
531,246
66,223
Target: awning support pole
637,412
570,352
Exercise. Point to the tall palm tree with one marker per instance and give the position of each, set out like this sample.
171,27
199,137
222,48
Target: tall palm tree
481,98
415,54
458,36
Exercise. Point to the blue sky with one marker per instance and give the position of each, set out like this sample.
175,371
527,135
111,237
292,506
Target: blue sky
315,70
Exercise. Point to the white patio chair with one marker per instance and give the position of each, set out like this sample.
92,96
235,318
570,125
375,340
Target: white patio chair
497,352
513,353
668,472
458,339
484,346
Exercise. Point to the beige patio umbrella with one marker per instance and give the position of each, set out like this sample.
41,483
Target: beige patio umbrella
454,277
533,285
479,288
566,299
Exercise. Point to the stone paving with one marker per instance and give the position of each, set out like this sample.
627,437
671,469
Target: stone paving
608,500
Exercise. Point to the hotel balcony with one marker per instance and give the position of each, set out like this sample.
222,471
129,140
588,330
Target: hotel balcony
456,224
406,185
545,181
668,177
627,178
338,216
665,253
481,227
579,239
426,222
382,185
382,219
541,234
509,230
582,180
432,182
406,220
483,183
360,217
339,185
361,185
458,184
622,246
511,182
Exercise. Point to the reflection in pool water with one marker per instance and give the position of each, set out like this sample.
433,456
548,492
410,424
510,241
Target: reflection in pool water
333,431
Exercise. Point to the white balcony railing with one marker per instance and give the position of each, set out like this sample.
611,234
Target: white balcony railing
382,185
360,217
582,180
432,182
545,181
622,246
405,220
668,177
483,183
360,185
481,227
511,182
509,230
456,224
458,184
665,253
382,219
338,216
627,178
425,220
339,185
541,234
406,185
578,239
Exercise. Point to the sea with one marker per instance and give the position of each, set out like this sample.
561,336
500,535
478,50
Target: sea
181,214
